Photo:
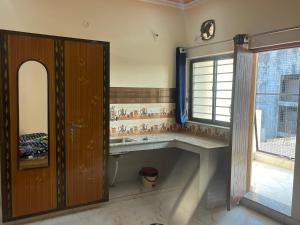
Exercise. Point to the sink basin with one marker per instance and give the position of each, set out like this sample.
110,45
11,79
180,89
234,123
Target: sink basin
120,140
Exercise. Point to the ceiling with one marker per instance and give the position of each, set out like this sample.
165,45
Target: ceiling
182,1
183,4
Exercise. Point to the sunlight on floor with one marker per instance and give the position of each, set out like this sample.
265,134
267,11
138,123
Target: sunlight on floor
272,182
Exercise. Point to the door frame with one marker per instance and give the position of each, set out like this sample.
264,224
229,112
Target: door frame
239,155
296,187
240,41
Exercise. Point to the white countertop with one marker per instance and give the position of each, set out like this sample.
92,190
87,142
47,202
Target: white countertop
183,141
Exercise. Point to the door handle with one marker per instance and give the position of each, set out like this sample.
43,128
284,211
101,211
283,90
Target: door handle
75,125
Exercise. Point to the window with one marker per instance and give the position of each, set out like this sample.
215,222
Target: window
289,88
211,90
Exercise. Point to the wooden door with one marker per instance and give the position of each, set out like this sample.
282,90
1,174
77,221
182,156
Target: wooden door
33,190
84,122
242,123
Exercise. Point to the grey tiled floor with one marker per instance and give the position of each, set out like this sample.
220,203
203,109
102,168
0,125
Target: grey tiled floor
156,207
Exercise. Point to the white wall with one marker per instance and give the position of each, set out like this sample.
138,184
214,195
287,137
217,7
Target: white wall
136,59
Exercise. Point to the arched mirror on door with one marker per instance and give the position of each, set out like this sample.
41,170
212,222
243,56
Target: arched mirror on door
33,145
41,98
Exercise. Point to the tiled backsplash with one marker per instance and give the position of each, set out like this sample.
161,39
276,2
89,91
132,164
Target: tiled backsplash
137,111
142,111
207,130
134,119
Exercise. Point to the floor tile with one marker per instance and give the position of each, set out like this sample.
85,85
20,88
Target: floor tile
156,207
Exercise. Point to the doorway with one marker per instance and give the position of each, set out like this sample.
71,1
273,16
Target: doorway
274,136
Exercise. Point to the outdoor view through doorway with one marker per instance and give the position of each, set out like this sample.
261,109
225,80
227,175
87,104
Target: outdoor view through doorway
277,96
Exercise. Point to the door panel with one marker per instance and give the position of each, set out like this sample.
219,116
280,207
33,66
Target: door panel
84,122
242,122
33,190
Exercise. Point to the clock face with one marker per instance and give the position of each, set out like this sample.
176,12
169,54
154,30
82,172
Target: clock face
208,30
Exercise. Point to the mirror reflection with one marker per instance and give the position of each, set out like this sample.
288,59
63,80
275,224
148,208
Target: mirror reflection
33,115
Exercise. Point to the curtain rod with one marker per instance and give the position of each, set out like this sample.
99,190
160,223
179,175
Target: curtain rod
207,44
253,35
275,31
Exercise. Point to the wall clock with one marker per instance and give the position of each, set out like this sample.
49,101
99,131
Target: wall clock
208,30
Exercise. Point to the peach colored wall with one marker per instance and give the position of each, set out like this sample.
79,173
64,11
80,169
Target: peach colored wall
136,59
243,16
238,16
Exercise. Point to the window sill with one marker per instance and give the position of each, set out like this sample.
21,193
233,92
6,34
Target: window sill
208,125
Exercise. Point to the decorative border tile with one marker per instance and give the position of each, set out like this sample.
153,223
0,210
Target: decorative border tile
207,130
140,127
141,111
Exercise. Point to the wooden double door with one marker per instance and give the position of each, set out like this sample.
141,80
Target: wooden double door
68,168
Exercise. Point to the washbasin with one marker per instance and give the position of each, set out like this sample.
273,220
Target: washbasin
120,140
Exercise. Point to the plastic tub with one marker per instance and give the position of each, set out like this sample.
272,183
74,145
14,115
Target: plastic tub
149,177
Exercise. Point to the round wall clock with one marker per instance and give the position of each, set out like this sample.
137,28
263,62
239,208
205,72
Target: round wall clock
208,30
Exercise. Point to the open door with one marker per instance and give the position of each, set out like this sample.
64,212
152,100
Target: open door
242,121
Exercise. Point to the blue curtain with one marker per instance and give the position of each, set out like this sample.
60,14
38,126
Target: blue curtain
181,116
